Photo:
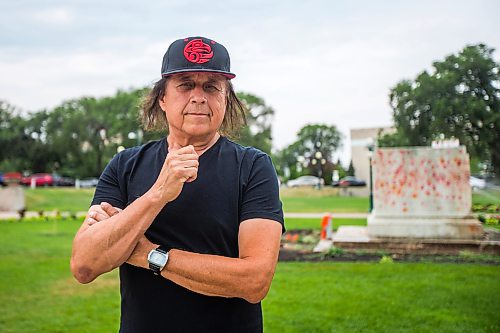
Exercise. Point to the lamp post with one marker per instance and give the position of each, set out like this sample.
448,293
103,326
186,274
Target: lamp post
318,160
370,156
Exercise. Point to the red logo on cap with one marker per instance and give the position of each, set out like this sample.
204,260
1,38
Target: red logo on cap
198,52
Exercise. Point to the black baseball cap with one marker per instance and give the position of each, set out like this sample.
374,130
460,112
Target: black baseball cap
196,54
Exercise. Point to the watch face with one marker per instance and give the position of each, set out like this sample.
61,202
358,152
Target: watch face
158,258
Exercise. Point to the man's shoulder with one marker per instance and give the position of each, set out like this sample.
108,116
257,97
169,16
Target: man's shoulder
246,152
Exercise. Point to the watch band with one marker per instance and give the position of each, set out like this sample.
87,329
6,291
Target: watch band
165,248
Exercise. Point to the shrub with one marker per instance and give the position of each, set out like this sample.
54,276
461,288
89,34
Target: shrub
492,220
386,260
335,251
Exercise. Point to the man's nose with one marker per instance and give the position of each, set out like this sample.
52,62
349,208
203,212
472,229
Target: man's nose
198,95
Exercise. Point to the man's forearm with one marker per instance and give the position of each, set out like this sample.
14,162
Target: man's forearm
248,277
106,245
213,275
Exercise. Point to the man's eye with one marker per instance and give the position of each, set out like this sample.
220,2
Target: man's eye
186,85
211,88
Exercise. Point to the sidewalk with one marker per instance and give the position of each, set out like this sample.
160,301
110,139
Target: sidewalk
334,215
28,214
34,214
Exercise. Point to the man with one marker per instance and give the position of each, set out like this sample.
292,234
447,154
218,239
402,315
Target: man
193,221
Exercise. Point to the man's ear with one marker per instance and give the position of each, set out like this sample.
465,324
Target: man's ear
162,103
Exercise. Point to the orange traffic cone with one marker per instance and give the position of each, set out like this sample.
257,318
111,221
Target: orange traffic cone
326,235
326,226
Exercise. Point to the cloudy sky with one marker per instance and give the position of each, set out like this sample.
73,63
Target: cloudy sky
326,61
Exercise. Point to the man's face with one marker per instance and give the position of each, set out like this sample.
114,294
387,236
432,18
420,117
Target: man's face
195,103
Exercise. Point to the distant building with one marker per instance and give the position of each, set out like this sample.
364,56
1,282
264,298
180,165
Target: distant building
361,138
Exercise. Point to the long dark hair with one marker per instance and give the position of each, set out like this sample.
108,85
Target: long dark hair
153,118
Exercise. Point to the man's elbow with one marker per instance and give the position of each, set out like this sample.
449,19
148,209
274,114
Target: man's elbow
258,288
82,273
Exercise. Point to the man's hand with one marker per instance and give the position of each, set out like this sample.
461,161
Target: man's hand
98,213
139,256
180,166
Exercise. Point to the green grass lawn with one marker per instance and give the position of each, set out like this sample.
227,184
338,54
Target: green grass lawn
302,200
38,293
485,197
315,223
325,204
58,198
366,297
294,200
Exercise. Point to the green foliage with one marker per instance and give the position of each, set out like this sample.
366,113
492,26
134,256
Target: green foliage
386,260
257,132
492,221
20,148
350,171
78,137
459,97
335,252
87,132
311,154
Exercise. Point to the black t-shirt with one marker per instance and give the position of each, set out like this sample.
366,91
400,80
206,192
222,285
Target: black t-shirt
234,184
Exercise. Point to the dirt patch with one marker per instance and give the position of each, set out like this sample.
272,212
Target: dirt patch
298,245
338,255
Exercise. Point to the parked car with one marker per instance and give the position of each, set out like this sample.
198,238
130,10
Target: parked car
41,179
62,181
477,183
89,182
350,181
47,179
1,179
305,181
11,177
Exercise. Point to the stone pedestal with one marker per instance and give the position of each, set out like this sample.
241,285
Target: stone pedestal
435,228
422,193
12,198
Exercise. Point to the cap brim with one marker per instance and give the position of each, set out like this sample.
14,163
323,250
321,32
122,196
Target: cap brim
226,74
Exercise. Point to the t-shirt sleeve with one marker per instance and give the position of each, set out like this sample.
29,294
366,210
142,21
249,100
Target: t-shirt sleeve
261,195
109,188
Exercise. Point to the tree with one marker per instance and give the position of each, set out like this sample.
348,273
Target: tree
78,137
86,132
11,130
21,149
311,153
459,98
257,132
350,171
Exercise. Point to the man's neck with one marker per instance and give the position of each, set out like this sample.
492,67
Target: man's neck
200,144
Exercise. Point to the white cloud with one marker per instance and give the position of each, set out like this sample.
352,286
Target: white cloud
56,16
319,61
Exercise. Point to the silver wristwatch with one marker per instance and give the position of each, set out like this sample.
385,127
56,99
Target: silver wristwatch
157,259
